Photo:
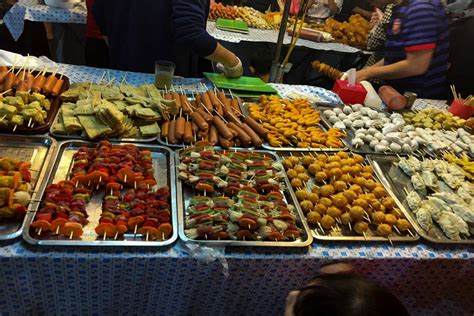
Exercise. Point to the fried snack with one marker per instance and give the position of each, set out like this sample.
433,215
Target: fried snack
354,31
327,70
330,199
294,123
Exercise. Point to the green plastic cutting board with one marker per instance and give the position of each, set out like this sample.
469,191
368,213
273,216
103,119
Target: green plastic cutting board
232,25
243,83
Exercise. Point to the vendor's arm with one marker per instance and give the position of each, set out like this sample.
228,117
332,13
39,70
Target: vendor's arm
189,21
366,14
281,5
420,38
416,63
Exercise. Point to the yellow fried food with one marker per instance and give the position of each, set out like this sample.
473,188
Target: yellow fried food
294,123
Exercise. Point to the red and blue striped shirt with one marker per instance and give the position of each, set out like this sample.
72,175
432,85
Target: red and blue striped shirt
420,25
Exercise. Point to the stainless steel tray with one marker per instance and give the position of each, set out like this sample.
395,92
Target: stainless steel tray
37,149
81,136
347,235
322,125
164,172
185,193
396,180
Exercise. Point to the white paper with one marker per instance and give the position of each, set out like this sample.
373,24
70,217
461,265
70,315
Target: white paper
351,77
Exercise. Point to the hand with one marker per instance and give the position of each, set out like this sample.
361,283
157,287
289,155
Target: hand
376,19
363,74
234,71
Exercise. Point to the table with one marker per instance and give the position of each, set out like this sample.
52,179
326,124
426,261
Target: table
176,281
32,11
68,28
271,36
182,280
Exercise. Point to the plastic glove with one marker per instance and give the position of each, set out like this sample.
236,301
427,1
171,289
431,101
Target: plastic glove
234,72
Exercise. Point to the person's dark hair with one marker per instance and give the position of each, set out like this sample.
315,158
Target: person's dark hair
261,61
346,294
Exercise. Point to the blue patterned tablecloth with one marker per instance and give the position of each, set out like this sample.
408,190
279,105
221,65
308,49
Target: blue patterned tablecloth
271,36
66,281
31,10
429,279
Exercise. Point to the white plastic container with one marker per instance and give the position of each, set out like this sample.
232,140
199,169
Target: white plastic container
372,100
64,4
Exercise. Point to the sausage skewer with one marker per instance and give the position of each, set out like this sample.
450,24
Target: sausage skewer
8,84
57,86
215,101
229,113
3,73
198,119
39,81
49,84
30,79
180,126
18,77
188,132
206,101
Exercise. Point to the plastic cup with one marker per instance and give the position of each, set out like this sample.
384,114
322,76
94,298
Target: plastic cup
164,72
460,109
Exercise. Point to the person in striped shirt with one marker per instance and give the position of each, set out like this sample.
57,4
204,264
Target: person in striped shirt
416,49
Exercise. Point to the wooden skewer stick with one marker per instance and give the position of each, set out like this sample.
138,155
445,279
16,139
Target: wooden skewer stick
39,231
116,235
390,240
71,234
365,235
397,230
5,92
105,236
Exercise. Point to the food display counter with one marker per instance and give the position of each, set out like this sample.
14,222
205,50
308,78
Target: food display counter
234,229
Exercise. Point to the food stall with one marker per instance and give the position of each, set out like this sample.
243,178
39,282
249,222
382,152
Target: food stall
262,34
329,194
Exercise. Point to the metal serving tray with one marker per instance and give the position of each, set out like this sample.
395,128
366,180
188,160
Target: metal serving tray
81,136
395,180
185,193
164,172
347,235
322,125
39,151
